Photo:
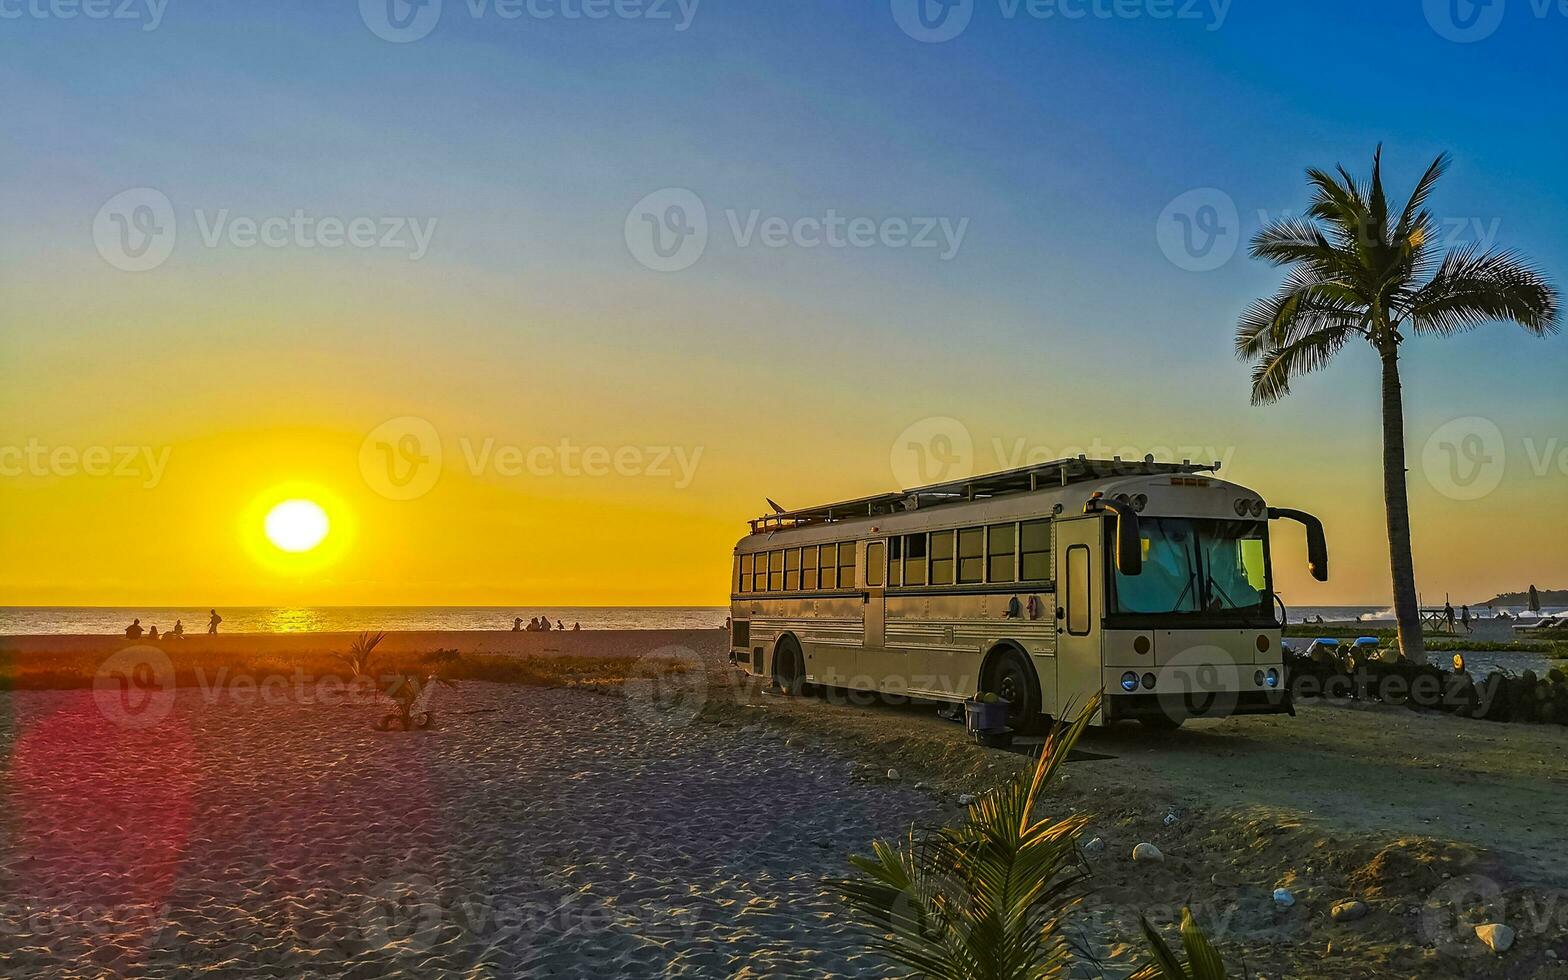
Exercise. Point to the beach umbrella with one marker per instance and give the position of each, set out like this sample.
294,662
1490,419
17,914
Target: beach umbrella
1535,600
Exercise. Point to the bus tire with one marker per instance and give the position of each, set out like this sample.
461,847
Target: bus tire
1009,676
789,667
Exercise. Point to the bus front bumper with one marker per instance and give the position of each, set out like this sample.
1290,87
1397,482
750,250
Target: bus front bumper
1219,704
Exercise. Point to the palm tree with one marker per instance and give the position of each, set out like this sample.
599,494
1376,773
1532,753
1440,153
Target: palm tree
983,901
1357,270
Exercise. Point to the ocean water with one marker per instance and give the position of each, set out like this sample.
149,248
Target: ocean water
25,620
1385,614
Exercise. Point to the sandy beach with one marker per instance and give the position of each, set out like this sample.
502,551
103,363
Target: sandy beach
687,826
536,832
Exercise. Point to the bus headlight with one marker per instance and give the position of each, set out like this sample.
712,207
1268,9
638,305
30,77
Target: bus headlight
1257,678
1129,681
1271,678
1148,681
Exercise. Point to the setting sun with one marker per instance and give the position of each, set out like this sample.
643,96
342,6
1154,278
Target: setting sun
297,525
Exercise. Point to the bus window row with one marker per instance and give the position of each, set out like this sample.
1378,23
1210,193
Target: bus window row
994,553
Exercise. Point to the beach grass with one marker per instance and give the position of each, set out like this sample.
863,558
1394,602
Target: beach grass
74,670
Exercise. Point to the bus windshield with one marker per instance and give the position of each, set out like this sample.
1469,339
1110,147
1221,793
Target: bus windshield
1198,569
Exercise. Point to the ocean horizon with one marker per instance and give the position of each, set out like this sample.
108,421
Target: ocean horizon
90,620
57,620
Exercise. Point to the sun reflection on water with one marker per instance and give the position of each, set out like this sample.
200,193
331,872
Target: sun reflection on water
292,621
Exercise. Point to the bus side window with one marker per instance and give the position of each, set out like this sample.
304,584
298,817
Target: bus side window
829,567
915,559
876,564
1001,549
895,561
1034,548
792,570
971,555
759,577
1078,590
808,569
775,571
941,557
846,565
745,574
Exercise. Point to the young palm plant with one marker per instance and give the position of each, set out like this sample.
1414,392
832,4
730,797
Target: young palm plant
1203,962
1358,270
983,901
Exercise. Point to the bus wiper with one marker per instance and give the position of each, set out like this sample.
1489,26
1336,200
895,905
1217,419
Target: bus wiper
1229,602
1192,580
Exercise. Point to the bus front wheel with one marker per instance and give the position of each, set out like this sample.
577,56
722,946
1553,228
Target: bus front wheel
1011,679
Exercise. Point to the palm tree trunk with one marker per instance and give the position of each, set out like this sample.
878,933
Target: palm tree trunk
1396,502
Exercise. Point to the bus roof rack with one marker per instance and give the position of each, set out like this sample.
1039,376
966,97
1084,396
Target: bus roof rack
1025,479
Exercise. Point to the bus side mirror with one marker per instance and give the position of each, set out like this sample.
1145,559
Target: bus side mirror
1129,543
1317,544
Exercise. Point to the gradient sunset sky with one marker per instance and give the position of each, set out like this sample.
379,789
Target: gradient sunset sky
1073,153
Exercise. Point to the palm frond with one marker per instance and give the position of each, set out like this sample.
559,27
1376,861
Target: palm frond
1293,240
1279,366
1473,287
1203,961
1418,197
1377,201
1305,304
984,900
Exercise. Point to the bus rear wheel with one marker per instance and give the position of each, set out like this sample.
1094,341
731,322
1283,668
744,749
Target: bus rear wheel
1011,679
789,667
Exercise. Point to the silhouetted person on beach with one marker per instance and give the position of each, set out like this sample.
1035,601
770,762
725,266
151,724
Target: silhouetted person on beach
212,624
517,624
152,633
134,631
1448,614
560,625
1464,617
179,629
577,627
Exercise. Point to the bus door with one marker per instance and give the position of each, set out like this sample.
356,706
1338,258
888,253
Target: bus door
1080,603
875,608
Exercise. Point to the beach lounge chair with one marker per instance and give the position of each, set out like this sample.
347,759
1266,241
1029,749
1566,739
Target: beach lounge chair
1544,623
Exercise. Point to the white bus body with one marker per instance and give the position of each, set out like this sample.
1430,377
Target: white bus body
1018,583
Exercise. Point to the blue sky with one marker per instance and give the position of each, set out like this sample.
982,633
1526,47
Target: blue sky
1057,141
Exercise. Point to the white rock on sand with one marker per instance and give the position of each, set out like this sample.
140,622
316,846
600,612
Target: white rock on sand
554,836
1497,937
1147,852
